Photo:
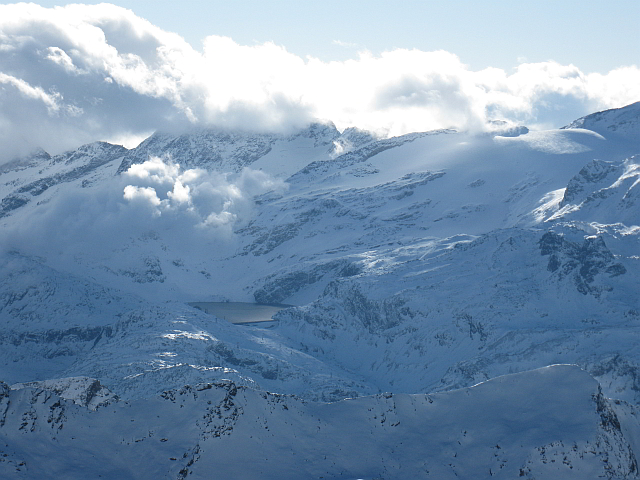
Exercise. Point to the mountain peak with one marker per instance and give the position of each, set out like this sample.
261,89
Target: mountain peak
35,157
623,121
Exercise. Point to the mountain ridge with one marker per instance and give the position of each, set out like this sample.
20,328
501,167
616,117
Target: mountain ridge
196,430
417,264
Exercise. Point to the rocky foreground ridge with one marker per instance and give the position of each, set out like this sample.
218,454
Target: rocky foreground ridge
548,423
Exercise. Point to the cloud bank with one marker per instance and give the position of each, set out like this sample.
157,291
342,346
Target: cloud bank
192,211
75,74
205,199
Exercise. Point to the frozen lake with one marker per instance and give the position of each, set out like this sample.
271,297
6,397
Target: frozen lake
240,312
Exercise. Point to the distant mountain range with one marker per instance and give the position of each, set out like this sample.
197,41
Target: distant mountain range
417,264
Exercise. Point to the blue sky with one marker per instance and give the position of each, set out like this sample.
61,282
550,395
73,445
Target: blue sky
117,72
596,35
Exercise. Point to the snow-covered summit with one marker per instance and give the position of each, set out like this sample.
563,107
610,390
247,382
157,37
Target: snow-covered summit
34,158
222,150
623,121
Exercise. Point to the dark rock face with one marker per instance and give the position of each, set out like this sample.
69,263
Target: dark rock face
4,389
213,149
150,272
10,203
205,149
83,161
278,288
592,173
35,158
618,367
323,134
271,239
71,335
583,261
344,307
98,154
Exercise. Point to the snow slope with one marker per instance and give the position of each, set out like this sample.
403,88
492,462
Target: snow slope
56,325
551,423
616,121
492,228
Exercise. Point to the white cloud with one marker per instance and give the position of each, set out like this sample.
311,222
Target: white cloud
154,169
145,196
180,192
60,57
190,210
162,188
50,100
84,72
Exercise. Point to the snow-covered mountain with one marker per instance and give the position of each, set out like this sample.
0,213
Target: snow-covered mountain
551,423
414,264
616,121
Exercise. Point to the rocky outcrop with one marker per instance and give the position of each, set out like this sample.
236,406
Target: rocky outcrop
280,286
76,165
220,150
582,261
590,177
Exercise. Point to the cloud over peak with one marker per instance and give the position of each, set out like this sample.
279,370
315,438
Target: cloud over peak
74,74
